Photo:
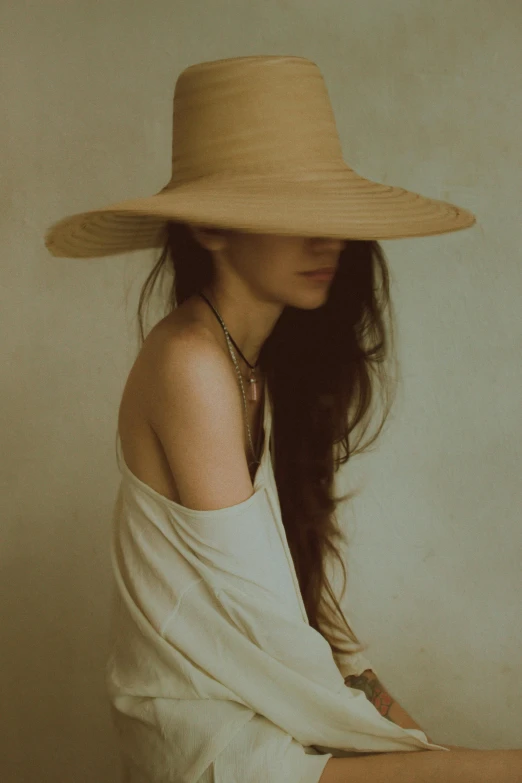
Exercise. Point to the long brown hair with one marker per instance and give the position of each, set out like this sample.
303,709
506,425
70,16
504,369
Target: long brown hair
318,365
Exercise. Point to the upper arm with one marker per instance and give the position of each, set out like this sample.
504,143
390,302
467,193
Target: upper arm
196,412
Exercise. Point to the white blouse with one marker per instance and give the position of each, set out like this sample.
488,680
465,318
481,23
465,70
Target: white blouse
214,674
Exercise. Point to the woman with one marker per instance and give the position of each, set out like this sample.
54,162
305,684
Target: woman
224,664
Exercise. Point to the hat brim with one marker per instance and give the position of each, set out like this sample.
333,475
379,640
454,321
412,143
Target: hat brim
344,206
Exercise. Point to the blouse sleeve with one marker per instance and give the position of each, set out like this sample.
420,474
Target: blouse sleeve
353,664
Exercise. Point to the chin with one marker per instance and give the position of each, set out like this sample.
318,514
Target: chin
310,302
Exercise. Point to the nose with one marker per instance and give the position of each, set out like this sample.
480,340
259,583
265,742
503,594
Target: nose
330,243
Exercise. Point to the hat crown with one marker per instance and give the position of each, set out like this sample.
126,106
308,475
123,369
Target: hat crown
258,116
255,148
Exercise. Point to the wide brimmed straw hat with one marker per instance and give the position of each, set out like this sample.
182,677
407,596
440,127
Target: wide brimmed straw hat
255,148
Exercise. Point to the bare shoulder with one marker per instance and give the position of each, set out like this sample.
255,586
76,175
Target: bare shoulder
183,361
193,405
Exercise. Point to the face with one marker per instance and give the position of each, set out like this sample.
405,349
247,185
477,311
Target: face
271,265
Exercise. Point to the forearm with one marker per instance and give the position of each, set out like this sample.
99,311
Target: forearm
381,699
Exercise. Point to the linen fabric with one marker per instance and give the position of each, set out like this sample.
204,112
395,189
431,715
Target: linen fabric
214,674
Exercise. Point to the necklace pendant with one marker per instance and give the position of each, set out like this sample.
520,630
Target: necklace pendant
252,390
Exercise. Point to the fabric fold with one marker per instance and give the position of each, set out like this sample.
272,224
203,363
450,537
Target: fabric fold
213,663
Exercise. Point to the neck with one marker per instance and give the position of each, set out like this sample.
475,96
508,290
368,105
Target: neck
248,323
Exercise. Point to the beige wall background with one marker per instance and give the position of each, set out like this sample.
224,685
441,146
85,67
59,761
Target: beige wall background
427,96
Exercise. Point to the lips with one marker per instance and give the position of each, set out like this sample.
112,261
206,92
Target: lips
323,275
324,270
